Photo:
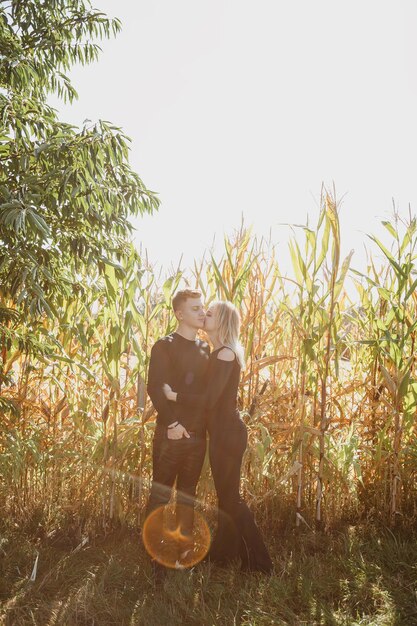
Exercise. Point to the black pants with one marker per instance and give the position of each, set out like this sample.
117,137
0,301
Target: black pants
180,460
237,534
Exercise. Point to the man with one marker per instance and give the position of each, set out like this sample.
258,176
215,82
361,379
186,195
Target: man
179,444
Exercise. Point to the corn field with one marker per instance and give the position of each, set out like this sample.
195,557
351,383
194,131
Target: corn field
329,392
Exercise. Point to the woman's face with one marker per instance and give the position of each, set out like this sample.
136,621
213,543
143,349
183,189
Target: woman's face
210,322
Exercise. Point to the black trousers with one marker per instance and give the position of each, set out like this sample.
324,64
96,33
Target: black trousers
180,460
237,534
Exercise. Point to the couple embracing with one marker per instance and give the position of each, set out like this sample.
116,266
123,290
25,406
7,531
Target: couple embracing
194,391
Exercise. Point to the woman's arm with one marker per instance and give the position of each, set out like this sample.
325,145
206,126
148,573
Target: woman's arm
218,376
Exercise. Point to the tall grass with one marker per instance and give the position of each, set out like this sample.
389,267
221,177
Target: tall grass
329,393
353,577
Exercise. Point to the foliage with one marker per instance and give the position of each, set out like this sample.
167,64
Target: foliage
66,194
390,323
79,424
356,576
329,390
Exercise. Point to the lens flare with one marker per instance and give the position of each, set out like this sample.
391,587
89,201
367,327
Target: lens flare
167,539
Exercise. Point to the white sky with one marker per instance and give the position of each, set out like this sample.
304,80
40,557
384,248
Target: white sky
245,107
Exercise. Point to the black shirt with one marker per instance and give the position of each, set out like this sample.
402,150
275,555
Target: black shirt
219,399
183,364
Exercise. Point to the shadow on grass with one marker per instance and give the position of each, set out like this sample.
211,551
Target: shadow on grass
357,576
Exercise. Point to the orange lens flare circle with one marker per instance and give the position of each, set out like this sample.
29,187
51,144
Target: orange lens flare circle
166,540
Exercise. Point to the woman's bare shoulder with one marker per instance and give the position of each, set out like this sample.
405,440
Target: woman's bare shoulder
226,354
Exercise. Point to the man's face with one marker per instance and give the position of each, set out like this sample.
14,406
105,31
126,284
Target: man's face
191,313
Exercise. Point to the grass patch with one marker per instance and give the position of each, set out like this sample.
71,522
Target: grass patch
355,576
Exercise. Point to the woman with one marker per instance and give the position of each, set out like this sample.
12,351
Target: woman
237,534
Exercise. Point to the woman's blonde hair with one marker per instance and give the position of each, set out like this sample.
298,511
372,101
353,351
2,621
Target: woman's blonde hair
228,326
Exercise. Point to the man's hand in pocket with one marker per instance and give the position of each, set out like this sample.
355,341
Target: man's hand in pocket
178,432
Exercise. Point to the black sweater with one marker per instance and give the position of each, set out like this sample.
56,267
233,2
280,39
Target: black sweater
219,399
183,364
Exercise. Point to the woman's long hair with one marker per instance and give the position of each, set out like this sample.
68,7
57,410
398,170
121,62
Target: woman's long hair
228,320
